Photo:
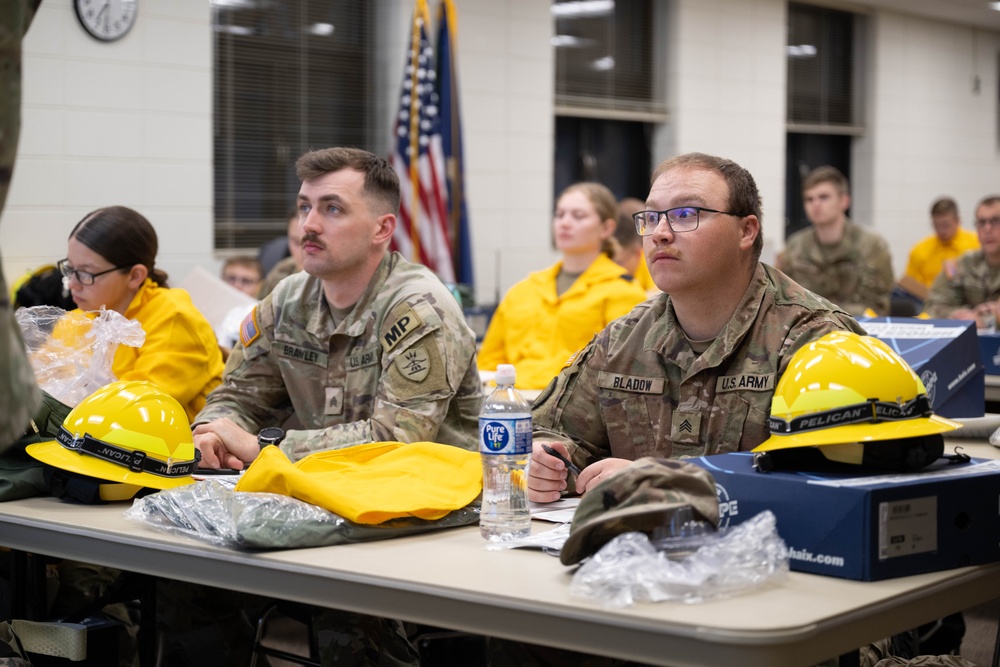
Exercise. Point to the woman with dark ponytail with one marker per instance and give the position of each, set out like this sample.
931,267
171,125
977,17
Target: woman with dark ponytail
111,262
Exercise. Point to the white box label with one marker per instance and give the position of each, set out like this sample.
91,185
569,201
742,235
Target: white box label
907,527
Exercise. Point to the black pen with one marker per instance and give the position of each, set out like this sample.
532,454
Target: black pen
569,464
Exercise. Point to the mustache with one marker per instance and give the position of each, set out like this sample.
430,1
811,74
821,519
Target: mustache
666,251
313,238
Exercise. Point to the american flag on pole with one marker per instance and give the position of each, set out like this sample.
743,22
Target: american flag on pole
422,233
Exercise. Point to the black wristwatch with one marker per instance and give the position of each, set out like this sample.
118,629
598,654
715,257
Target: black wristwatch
270,435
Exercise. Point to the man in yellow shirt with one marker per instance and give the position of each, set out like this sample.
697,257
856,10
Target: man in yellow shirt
935,253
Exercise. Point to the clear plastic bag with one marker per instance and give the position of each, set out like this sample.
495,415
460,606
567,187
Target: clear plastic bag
630,569
71,353
211,511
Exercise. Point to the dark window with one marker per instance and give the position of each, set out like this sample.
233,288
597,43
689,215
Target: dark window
821,54
605,56
289,77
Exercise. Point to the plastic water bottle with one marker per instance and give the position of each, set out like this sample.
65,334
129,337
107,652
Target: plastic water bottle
505,447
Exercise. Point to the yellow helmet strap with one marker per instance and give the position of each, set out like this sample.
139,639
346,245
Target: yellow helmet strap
873,411
134,460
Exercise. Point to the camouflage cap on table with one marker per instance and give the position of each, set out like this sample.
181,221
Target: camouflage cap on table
641,497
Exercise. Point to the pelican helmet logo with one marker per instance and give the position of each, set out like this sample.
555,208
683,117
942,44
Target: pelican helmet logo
929,378
727,507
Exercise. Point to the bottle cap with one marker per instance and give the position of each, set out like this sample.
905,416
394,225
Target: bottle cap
505,374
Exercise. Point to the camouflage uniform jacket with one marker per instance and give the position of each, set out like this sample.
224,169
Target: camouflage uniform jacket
400,367
655,396
974,282
854,274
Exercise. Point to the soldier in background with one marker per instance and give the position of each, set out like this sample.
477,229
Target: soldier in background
835,258
691,371
19,393
971,291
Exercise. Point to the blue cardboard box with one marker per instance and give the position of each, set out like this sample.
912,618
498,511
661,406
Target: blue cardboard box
989,353
944,353
870,526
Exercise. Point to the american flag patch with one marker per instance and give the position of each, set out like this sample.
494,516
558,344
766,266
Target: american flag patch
249,331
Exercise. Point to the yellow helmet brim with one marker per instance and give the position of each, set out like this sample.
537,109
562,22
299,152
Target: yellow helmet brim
54,454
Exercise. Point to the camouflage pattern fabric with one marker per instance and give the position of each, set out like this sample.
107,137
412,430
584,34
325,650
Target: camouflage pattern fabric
855,274
348,639
401,366
207,627
974,282
19,393
641,497
638,389
80,585
281,270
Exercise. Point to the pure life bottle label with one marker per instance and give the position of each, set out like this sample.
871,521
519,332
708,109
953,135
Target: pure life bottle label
505,436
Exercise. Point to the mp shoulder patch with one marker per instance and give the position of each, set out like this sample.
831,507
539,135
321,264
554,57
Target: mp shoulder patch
394,334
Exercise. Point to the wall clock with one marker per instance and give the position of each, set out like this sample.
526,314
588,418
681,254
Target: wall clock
106,20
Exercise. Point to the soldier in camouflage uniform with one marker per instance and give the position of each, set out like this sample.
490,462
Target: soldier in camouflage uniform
362,346
972,292
835,258
19,394
384,355
692,371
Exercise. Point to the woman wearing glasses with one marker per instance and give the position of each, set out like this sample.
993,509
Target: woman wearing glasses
110,262
551,314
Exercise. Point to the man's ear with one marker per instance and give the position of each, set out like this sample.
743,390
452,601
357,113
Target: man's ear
845,201
386,228
751,230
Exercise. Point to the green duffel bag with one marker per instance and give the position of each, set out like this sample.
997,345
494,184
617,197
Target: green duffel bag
20,475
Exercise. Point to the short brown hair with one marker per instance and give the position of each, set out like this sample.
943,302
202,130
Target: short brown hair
944,206
826,174
381,183
987,201
744,198
625,232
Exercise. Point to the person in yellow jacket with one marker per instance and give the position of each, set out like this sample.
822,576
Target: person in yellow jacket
628,245
110,262
550,315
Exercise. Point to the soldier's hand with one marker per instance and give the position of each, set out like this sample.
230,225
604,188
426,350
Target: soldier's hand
546,474
597,472
224,444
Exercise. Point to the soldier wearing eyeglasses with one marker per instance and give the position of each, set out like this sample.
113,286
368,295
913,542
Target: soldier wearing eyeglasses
691,371
834,257
972,290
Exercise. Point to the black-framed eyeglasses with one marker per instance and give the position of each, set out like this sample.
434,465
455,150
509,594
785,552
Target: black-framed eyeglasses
83,277
680,219
987,222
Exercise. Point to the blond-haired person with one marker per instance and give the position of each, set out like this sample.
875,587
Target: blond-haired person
550,315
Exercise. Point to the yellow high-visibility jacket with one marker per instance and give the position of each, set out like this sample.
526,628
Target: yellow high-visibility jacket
538,331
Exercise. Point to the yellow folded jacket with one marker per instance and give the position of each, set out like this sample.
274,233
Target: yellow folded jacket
374,482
